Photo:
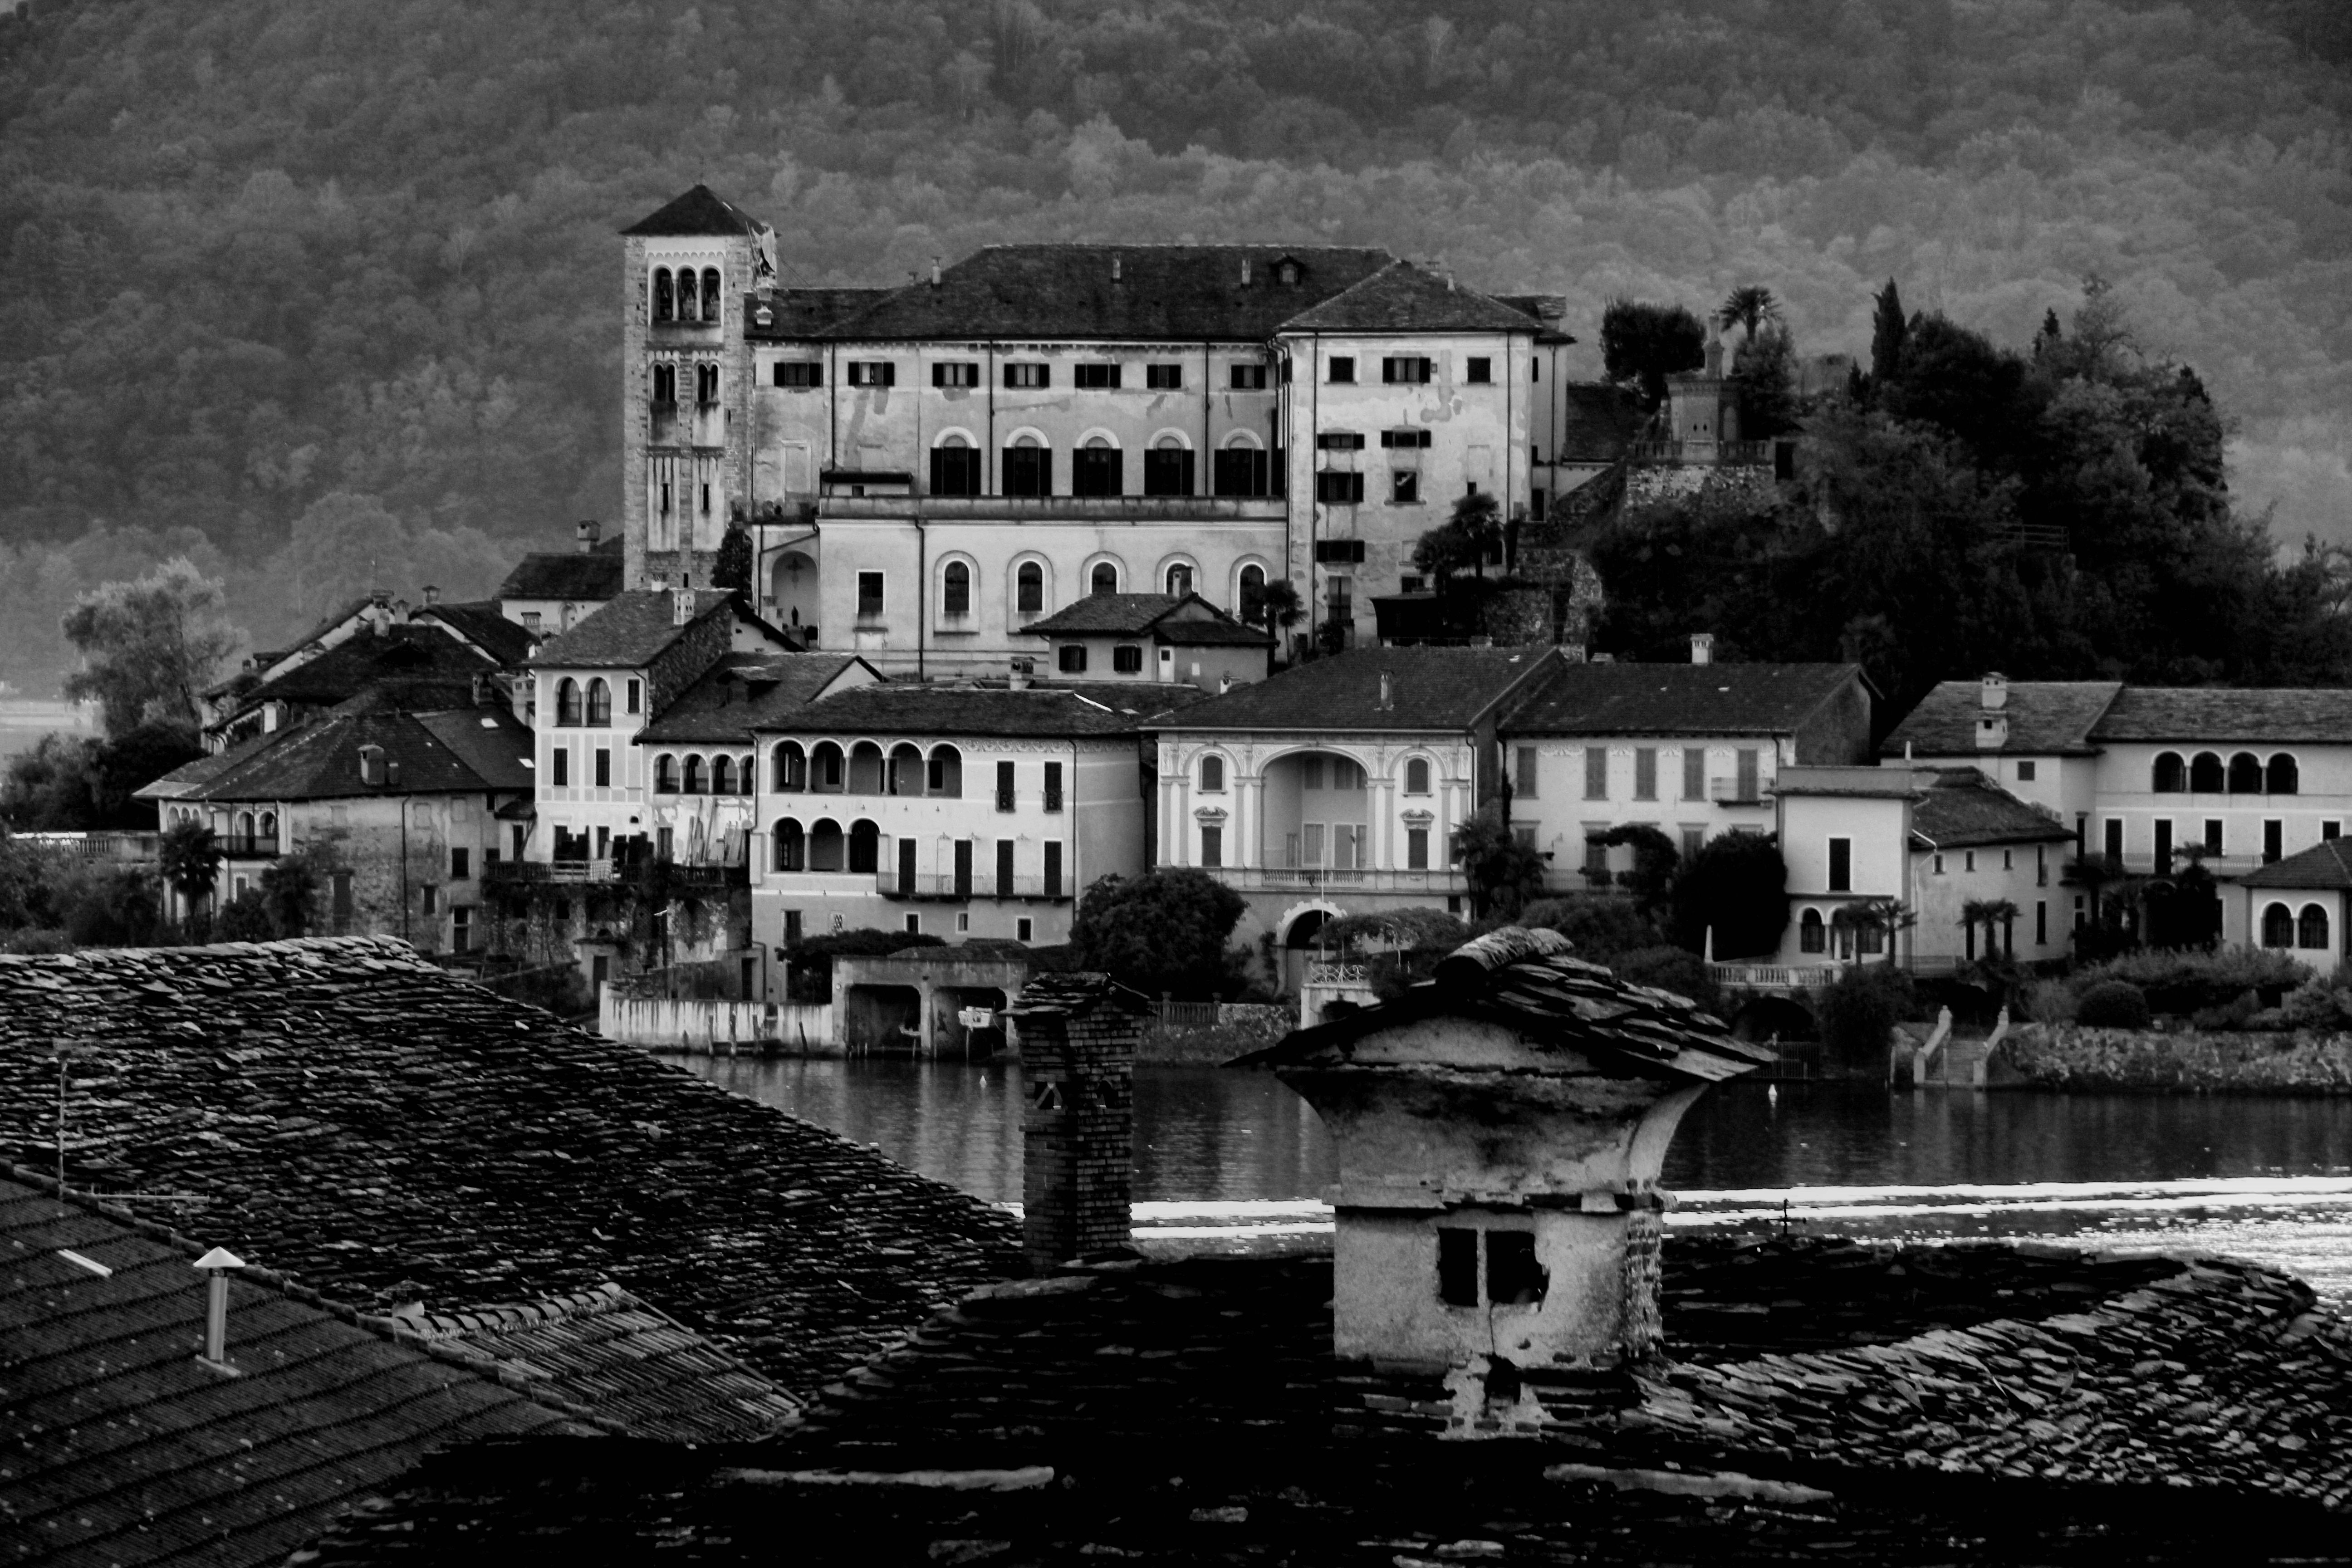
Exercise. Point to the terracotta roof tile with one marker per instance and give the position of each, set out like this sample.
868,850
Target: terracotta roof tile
481,624
629,630
1040,712
2227,713
410,658
1185,619
450,751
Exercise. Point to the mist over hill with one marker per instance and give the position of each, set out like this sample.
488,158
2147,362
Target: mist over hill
327,292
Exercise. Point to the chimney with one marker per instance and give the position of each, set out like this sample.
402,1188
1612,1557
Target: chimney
372,769
1714,347
215,1266
1993,712
482,692
1078,1034
583,534
935,271
1020,674
1245,279
1702,647
681,604
1224,683
1388,691
431,596
1114,268
399,612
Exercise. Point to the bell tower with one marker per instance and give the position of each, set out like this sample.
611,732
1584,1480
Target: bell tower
685,371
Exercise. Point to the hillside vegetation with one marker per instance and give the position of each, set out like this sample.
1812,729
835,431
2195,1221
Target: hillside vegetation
327,291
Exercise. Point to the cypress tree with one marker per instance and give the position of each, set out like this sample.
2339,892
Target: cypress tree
1887,332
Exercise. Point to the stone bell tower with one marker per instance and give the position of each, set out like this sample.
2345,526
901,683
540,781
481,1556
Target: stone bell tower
685,373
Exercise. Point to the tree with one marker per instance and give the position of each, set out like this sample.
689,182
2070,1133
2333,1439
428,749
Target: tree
1278,607
1888,327
244,917
1504,874
1655,860
289,894
1998,916
1738,888
1642,345
189,857
1162,931
1749,307
1602,927
1468,538
733,567
1766,365
149,647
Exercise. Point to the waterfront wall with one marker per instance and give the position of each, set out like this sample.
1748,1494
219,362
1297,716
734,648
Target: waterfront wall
685,1024
2183,1061
1241,1026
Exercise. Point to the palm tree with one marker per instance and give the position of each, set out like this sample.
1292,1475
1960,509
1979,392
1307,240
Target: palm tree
1996,915
1749,307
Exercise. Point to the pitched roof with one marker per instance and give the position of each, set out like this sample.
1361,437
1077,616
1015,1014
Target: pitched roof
457,751
1041,711
2045,718
698,211
629,630
125,1449
184,780
1187,293
575,575
420,660
1962,807
805,312
731,698
2221,713
1185,619
1405,297
1431,689
1597,421
480,624
2326,864
1677,699
352,1114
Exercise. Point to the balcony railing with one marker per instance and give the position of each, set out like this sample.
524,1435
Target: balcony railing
521,875
248,845
1337,974
1057,509
1274,879
1731,453
947,885
1738,792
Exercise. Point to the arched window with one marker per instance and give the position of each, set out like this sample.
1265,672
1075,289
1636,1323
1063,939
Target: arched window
906,770
825,770
955,589
711,293
600,703
269,828
1811,935
2311,926
865,849
1416,776
665,774
1028,466
2205,773
687,309
696,782
824,845
788,769
665,308
943,773
1097,469
791,847
2172,777
746,780
1104,579
865,768
1212,775
722,775
567,701
2245,773
1251,600
2282,776
1029,589
2278,926
1180,579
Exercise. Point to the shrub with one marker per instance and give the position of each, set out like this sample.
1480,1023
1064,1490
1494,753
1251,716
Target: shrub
1670,969
2314,1005
1603,929
244,917
2113,1004
2049,1002
1859,1011
1737,886
2182,982
1410,928
37,940
1164,931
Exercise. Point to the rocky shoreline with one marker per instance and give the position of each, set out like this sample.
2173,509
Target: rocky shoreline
2176,1061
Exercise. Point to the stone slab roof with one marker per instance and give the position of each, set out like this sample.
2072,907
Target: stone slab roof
358,1118
1597,421
629,630
1676,698
1430,688
457,751
1963,808
1404,298
575,575
698,211
1180,294
2226,713
481,624
2045,718
744,689
407,658
1185,620
119,1448
805,312
1040,712
2326,864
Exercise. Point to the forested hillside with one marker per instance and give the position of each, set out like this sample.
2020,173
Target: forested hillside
327,291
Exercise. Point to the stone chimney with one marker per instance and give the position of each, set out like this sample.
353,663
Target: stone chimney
399,612
1245,276
372,766
1078,1036
583,534
681,602
1114,268
1019,680
1388,691
431,596
1993,712
935,271
1702,647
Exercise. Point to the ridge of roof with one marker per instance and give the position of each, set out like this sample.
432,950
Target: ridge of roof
630,629
2045,718
1962,809
2326,864
1404,296
698,211
1617,699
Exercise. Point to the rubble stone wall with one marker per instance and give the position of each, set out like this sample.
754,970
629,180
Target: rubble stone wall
2066,1057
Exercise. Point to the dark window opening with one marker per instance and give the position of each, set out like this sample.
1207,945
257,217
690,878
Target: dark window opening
1163,377
1097,377
1127,659
869,593
955,471
1070,658
1240,471
955,373
1028,471
799,373
1249,378
1167,472
1457,1266
1343,368
1514,1277
1096,471
1028,377
1480,370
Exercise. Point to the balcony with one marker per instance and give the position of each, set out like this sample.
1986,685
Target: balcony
1055,509
1730,454
648,876
1738,792
946,885
249,846
1286,879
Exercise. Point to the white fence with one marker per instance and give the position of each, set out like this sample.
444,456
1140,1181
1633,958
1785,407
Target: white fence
687,1025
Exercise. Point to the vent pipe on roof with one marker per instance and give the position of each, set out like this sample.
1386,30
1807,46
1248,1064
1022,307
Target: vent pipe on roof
935,271
215,1266
1388,691
1702,647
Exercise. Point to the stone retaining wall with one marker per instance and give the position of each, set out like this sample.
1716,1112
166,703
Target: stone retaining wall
2066,1057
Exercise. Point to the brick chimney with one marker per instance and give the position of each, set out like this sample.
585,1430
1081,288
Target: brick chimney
1078,1037
583,534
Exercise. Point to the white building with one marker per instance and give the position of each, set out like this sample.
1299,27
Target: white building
1336,786
1156,638
955,812
926,468
2139,775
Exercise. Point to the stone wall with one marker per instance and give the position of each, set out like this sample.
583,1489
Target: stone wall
1650,486
2066,1057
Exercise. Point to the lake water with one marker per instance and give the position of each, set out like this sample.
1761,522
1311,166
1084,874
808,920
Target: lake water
1220,1151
